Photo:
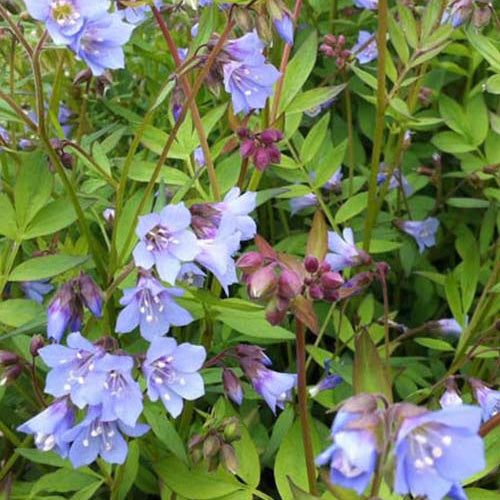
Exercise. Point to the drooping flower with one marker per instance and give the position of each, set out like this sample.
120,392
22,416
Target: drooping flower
488,399
397,180
435,451
284,27
75,370
366,4
135,15
165,241
274,387
447,326
458,12
49,426
171,372
353,455
344,251
424,231
450,396
363,50
329,382
301,202
35,290
152,307
64,19
95,437
121,396
100,42
232,386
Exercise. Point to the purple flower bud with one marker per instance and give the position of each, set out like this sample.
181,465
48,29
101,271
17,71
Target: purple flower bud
329,382
274,154
450,397
108,215
243,133
253,352
261,159
331,280
285,28
446,326
290,284
270,135
10,374
263,283
232,386
26,144
315,292
488,399
250,262
91,294
37,342
8,358
311,264
276,311
61,312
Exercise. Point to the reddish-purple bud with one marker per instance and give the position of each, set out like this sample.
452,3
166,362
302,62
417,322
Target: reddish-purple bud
247,148
331,280
232,386
327,50
263,283
253,352
10,374
330,39
311,264
249,262
275,315
243,133
37,342
91,294
315,292
324,267
341,40
274,154
8,358
261,159
270,135
290,284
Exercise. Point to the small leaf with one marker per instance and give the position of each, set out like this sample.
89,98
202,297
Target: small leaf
315,138
313,98
299,493
40,268
8,226
352,207
18,312
435,344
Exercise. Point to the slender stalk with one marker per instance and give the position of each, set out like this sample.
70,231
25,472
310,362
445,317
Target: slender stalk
302,395
193,107
350,134
379,123
9,435
16,30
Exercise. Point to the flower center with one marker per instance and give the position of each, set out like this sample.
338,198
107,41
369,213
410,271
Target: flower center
159,238
63,13
150,305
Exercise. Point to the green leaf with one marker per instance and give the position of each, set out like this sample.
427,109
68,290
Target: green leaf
484,46
477,118
352,207
431,17
468,203
453,297
88,492
43,457
142,171
47,266
33,187
298,70
299,493
53,217
453,115
398,40
333,160
18,312
195,483
408,24
313,98
164,430
62,481
381,246
129,473
155,139
468,250
481,494
8,226
451,142
369,373
366,77
315,138
435,344
493,84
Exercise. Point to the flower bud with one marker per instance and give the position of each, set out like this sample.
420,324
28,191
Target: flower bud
253,352
324,267
274,154
108,215
228,458
290,284
67,160
8,358
315,292
82,77
270,135
450,396
247,148
262,284
37,342
330,39
231,430
211,446
232,386
261,159
91,294
250,262
311,264
26,144
10,374
329,382
331,280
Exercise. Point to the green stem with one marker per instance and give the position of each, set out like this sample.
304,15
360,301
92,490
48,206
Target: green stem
9,435
16,30
379,123
303,413
350,134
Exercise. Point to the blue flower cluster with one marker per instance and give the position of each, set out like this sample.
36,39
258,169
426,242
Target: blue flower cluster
93,33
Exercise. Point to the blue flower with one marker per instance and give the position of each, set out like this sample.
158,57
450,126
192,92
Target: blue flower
447,326
435,451
238,206
136,15
49,426
329,382
246,47
94,436
344,251
75,370
121,396
64,311
353,455
151,306
369,52
165,241
171,372
366,4
100,42
424,231
64,19
284,27
488,399
458,12
191,275
397,180
35,290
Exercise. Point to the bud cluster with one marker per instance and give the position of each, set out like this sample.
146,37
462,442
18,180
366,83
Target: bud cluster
321,282
12,367
260,147
214,444
333,47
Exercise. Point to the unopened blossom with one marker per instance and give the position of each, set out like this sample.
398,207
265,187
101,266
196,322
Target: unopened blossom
424,231
100,42
35,290
49,426
435,451
458,12
447,326
488,399
344,252
284,27
352,457
64,19
366,4
151,307
171,373
232,386
450,396
261,147
365,50
121,395
75,370
329,382
94,437
165,241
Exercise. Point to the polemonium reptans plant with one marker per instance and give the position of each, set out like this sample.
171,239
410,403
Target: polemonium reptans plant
214,280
